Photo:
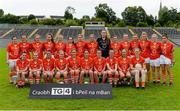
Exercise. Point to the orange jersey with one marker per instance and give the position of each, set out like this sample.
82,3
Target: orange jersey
133,45
111,62
35,64
145,48
124,63
99,64
49,46
125,45
167,49
87,64
68,49
74,63
135,61
48,64
37,47
22,64
92,48
80,46
25,47
155,50
60,46
116,47
13,50
61,64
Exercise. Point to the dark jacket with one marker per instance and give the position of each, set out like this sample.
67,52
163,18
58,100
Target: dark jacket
104,46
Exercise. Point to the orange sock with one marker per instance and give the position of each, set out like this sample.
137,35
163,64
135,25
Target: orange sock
137,84
143,84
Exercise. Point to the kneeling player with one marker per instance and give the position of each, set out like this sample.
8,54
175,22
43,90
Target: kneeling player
112,68
99,68
48,67
22,69
138,68
124,66
61,66
86,67
74,66
35,69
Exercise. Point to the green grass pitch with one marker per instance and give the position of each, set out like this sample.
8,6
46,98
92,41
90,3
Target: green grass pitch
153,97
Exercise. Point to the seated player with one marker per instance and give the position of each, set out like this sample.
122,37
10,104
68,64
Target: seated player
167,59
48,67
74,66
100,68
124,67
62,67
22,69
12,56
112,68
35,69
138,68
86,68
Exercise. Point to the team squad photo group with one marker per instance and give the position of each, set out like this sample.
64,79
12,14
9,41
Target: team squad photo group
106,60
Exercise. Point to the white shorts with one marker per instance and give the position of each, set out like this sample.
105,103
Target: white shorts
147,60
12,63
155,62
164,60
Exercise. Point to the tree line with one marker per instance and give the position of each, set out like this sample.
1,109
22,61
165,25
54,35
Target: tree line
131,16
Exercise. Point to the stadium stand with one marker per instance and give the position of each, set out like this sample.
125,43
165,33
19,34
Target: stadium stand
119,31
139,30
71,32
96,30
3,31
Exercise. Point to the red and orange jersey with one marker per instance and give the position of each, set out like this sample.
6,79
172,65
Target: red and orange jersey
112,62
99,64
48,64
13,50
155,50
80,47
68,49
133,45
116,47
35,64
60,46
87,64
145,48
124,63
74,63
167,49
61,63
49,46
92,48
37,47
25,47
125,45
135,61
22,64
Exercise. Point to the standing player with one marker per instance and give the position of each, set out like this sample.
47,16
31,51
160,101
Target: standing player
49,45
125,44
35,68
144,45
62,67
60,45
25,46
69,46
74,66
115,46
37,46
22,69
92,46
166,59
100,68
12,56
86,68
138,68
134,44
80,46
124,66
112,67
48,67
155,51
